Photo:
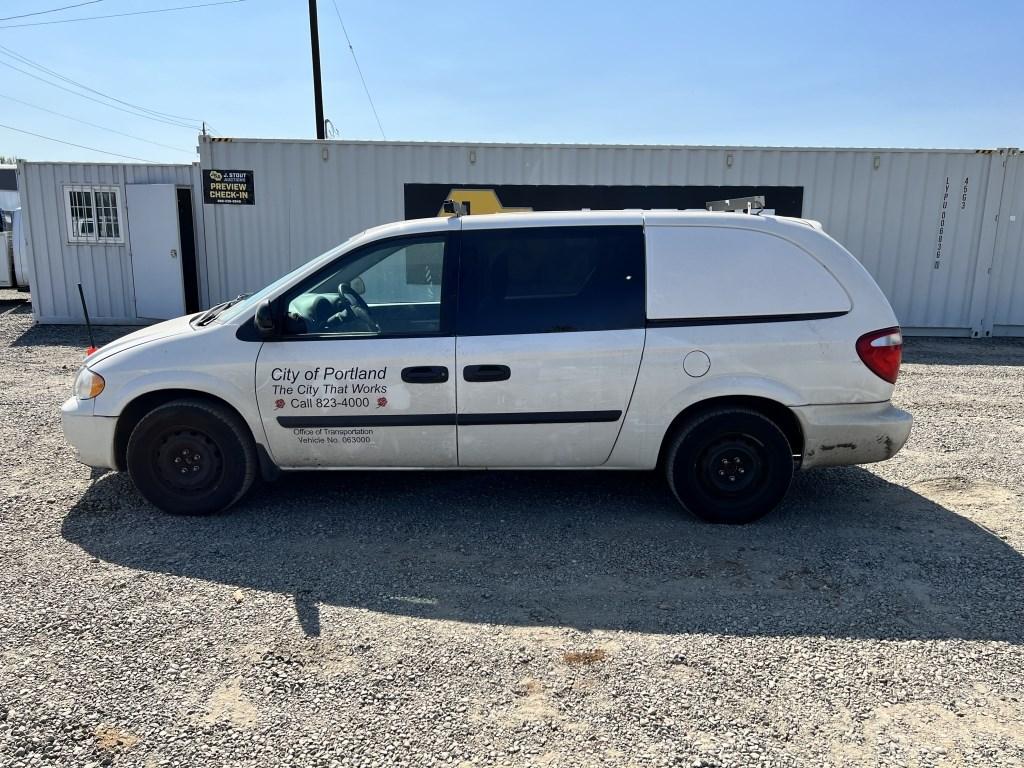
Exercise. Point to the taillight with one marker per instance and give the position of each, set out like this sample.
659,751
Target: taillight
882,352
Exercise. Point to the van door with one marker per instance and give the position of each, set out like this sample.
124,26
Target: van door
550,332
362,374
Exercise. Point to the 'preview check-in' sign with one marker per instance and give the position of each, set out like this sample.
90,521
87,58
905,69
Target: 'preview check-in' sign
228,187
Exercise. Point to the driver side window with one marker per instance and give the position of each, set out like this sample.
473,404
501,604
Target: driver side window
391,288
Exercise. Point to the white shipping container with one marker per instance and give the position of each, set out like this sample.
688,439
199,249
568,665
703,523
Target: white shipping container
60,258
1004,259
938,229
923,222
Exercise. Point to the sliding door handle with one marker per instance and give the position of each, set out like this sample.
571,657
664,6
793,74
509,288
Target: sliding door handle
486,372
425,374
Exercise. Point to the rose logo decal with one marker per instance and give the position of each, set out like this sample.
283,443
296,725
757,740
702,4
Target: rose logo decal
278,405
382,402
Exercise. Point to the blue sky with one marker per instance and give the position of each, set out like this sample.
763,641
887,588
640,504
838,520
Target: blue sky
922,74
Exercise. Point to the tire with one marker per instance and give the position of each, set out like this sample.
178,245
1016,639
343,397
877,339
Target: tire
729,466
191,457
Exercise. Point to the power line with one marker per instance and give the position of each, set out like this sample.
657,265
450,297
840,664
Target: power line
59,76
358,68
52,10
177,123
71,144
98,101
94,125
120,15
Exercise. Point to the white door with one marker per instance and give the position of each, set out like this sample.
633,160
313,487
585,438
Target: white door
156,250
550,332
362,370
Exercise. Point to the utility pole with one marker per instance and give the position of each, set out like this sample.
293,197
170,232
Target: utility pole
318,91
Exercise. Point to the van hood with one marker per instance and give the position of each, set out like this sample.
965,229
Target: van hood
166,329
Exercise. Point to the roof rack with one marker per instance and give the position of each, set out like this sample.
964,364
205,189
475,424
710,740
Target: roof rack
737,204
454,207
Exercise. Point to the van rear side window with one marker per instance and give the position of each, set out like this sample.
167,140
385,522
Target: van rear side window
551,279
709,272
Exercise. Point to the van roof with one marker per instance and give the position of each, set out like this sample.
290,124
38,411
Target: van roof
629,216
764,222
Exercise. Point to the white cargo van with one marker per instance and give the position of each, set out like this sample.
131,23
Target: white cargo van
725,349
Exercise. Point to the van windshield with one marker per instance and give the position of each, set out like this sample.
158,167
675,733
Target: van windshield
249,302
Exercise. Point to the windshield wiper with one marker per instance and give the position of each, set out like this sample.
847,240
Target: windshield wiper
238,298
211,313
215,310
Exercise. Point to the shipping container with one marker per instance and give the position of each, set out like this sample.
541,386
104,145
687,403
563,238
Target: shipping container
125,232
1003,260
923,222
938,229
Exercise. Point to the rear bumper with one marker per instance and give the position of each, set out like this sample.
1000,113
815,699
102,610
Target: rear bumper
91,436
852,434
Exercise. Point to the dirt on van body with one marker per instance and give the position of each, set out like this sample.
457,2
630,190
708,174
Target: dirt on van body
516,618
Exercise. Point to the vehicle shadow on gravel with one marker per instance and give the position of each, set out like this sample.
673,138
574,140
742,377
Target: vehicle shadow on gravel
847,555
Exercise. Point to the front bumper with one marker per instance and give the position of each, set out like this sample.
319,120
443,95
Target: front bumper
852,434
91,436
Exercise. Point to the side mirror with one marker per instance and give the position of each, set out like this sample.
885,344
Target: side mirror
264,319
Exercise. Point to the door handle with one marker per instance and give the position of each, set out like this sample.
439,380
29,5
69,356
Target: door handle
425,374
486,372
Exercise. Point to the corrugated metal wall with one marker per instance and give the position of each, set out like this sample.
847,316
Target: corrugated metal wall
938,229
105,270
1006,289
913,217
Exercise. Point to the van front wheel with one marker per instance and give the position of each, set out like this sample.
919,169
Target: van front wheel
729,465
191,457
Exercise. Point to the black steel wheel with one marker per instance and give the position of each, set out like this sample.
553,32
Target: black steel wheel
191,457
729,465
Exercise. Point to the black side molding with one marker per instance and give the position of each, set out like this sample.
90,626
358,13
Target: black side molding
449,419
538,417
403,420
682,322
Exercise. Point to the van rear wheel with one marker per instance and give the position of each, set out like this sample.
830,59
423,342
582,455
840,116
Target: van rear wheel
191,457
729,465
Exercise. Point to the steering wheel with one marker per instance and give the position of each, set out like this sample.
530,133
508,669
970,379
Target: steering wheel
360,309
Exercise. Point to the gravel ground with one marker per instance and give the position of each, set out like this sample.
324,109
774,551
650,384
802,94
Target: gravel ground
542,619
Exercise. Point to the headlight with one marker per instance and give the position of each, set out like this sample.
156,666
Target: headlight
88,384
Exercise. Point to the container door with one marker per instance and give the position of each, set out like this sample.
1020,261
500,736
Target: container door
156,250
1005,307
550,335
362,375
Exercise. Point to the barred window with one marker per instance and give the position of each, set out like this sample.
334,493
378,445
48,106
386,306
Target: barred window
93,214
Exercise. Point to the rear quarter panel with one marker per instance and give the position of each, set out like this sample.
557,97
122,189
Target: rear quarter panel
794,363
